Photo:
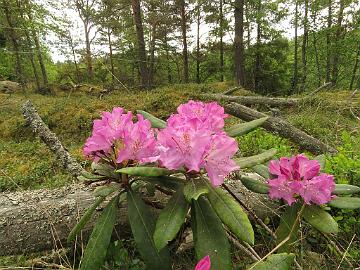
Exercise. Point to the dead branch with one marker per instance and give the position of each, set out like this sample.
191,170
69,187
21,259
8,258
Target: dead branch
252,100
281,127
50,139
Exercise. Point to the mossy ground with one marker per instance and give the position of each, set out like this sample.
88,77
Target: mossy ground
26,163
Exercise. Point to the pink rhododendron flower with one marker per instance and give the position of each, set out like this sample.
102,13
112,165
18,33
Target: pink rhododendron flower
117,137
299,176
318,190
193,139
199,115
139,142
218,162
182,147
203,264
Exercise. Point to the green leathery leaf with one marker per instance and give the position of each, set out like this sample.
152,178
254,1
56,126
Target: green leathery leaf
142,224
245,128
169,182
281,261
254,185
86,176
344,189
155,122
84,219
145,171
209,235
194,189
170,219
95,252
320,219
288,220
262,170
231,214
247,162
106,190
104,169
345,202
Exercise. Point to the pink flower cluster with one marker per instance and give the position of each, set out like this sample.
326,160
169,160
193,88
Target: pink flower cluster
203,264
299,176
115,136
193,139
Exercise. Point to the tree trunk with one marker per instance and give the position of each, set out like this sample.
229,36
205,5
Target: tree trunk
198,44
257,51
15,44
32,60
144,72
77,70
314,34
304,44
353,76
184,40
328,42
248,25
169,75
88,52
111,57
295,72
281,127
221,26
152,53
338,34
239,42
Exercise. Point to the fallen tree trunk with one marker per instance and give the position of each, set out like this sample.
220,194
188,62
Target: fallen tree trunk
50,139
232,90
281,127
251,100
40,220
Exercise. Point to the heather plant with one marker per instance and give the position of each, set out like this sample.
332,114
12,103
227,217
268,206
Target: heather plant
189,157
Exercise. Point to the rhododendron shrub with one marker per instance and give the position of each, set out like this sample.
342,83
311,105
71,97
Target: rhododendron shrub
189,158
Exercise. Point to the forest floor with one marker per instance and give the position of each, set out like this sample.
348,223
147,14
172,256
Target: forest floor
26,163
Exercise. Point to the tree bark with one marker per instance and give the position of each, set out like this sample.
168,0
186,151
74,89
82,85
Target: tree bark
32,60
251,100
198,44
294,81
353,76
338,34
15,44
152,53
88,51
184,40
221,26
257,67
111,57
314,34
144,72
50,139
303,48
281,127
328,42
239,42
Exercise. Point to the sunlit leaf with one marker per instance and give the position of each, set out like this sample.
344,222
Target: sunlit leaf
320,219
345,202
244,128
145,171
155,122
231,214
344,189
247,162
